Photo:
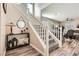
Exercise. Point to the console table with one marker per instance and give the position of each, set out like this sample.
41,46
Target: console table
17,40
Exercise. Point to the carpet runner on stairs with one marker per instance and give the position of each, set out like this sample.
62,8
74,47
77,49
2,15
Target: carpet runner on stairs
52,45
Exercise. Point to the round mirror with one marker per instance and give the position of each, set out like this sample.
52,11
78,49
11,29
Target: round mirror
21,24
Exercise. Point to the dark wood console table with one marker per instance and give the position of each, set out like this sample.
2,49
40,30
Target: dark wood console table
12,40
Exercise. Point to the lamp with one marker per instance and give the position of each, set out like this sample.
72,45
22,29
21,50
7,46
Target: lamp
11,25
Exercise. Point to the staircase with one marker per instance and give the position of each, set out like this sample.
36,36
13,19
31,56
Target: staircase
55,36
52,44
48,39
46,35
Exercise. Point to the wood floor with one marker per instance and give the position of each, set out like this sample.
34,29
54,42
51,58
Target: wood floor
66,51
60,52
23,51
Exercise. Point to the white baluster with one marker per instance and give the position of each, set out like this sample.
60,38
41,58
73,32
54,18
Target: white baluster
44,34
58,32
60,43
41,32
54,30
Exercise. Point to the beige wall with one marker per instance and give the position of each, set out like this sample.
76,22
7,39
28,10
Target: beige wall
35,41
2,32
37,12
71,24
0,26
13,16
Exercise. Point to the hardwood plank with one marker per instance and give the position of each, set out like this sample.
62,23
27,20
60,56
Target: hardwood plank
66,50
23,51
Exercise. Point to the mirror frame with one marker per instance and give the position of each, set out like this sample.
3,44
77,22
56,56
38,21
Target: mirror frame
23,26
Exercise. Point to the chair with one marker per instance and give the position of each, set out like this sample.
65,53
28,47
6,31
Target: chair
70,34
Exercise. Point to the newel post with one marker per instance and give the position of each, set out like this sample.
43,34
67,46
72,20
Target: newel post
47,41
61,38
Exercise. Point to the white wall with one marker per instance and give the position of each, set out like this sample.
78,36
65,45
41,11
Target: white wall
0,26
43,5
61,11
35,41
37,12
2,32
71,24
13,15
49,21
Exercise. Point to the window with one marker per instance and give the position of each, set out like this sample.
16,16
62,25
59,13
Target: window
30,8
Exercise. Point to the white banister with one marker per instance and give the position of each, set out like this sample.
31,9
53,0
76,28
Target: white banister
41,47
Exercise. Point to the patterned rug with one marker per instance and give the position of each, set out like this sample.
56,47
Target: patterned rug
68,49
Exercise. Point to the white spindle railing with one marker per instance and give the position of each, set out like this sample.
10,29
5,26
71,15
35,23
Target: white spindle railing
57,32
47,41
43,31
61,36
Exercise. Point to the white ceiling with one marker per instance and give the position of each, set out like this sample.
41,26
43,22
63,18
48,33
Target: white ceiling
42,5
61,11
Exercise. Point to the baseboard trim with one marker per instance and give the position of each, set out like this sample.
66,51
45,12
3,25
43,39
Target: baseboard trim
3,54
37,49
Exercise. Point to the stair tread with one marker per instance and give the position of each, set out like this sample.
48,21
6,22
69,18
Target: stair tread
52,44
52,48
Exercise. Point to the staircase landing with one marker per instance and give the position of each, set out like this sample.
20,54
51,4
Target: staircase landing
23,51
